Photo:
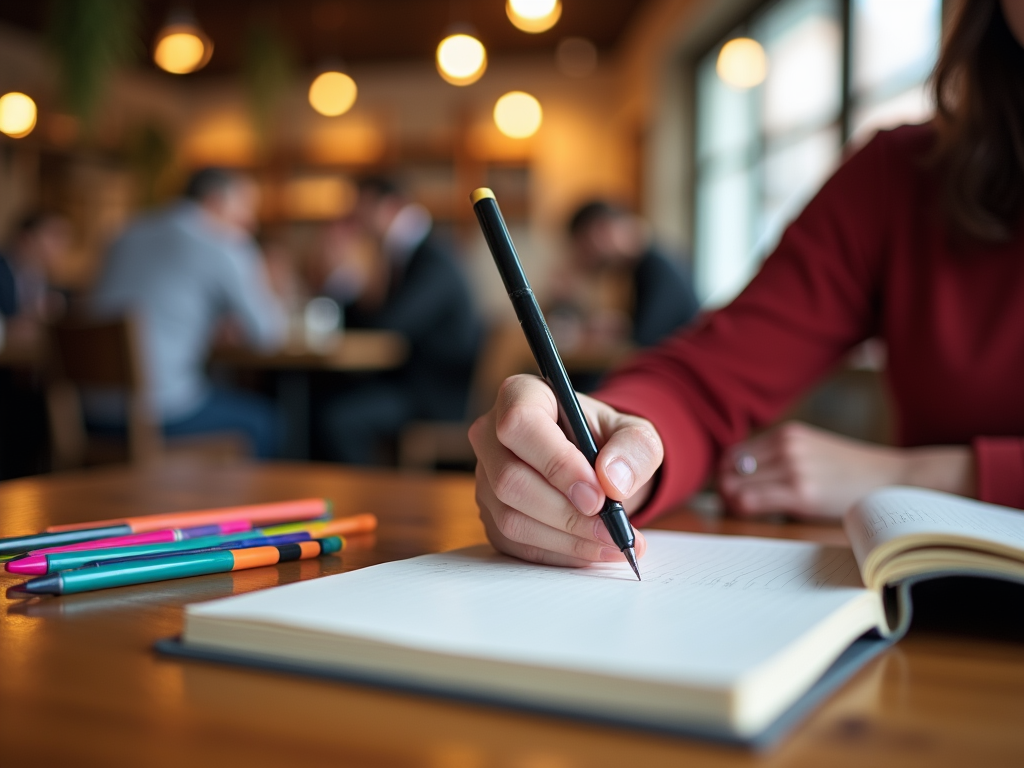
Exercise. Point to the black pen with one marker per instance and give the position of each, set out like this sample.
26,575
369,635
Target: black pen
543,347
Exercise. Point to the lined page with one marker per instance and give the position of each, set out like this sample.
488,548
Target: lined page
710,608
894,512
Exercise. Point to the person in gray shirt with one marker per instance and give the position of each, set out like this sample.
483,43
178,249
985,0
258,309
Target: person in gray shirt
179,272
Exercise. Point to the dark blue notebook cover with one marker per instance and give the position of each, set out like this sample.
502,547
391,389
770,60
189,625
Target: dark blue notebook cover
853,659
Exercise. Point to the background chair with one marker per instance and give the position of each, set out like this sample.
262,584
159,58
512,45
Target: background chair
104,355
428,444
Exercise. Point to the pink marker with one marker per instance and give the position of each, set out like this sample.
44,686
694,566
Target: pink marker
152,537
147,543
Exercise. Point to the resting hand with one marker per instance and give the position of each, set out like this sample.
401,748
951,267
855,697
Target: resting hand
538,495
810,473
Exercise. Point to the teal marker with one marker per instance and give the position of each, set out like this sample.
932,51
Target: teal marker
63,561
174,567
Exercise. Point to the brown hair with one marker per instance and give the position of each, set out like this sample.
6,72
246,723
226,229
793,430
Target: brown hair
979,96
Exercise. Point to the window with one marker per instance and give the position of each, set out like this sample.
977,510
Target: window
895,44
836,71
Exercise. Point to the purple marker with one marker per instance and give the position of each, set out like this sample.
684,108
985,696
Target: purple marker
261,541
152,537
34,565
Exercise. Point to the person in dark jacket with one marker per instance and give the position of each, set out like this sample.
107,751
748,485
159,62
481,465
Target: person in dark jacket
8,289
40,240
413,285
28,301
659,296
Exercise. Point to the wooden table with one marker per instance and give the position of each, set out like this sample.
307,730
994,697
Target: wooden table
80,685
356,351
351,351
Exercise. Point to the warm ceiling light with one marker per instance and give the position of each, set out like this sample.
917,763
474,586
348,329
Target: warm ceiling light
534,15
518,115
333,93
181,46
742,63
17,114
461,59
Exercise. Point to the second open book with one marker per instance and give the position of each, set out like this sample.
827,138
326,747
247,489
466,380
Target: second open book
726,636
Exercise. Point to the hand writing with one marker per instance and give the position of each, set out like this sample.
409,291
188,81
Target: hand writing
538,496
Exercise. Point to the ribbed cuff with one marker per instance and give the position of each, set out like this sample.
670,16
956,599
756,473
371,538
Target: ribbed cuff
1000,467
687,453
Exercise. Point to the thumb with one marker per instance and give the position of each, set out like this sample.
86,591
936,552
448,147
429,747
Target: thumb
629,458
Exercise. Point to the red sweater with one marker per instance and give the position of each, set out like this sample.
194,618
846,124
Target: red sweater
868,257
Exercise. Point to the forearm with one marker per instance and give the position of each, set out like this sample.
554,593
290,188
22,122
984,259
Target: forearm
940,468
250,299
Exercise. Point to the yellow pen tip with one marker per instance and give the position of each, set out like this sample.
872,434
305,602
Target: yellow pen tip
480,194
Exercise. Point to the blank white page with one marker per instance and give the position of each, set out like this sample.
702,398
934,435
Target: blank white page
710,608
894,512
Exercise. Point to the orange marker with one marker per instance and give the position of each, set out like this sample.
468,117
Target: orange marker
342,526
257,514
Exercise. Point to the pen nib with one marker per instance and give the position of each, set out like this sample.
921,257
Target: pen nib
631,559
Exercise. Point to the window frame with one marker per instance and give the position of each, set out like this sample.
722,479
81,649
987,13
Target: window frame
741,24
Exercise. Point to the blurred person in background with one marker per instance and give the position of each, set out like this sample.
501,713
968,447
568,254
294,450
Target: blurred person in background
27,299
918,238
621,286
388,271
182,273
8,289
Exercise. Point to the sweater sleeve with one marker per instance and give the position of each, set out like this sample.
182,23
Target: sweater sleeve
1000,470
814,298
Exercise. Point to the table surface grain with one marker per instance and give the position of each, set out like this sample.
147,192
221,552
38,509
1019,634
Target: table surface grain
358,350
80,684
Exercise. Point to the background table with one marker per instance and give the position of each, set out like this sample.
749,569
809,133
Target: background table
80,685
356,351
351,351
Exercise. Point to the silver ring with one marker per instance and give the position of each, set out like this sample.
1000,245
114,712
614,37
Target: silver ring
745,464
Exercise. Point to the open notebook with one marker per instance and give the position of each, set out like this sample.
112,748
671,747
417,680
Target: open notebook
727,637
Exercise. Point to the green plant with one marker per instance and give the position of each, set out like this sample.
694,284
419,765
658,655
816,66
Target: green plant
90,38
151,156
267,72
